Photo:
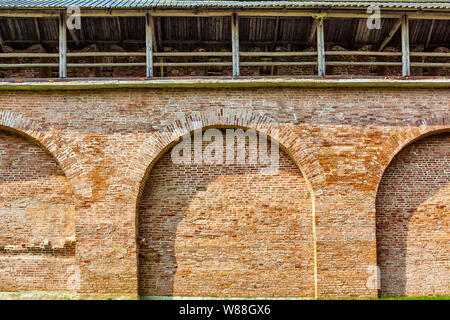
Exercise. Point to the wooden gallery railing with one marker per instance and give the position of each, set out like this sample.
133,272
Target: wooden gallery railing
320,61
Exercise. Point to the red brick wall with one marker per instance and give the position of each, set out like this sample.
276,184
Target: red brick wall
226,230
413,220
37,223
341,139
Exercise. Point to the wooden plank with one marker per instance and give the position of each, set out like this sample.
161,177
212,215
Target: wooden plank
223,64
2,42
220,54
28,65
313,31
350,13
320,48
193,54
160,41
199,29
37,30
430,33
112,64
362,53
390,35
306,13
62,46
149,45
191,13
279,63
420,15
275,33
361,63
235,43
24,13
106,54
74,36
192,64
431,64
155,43
430,54
28,55
406,70
279,54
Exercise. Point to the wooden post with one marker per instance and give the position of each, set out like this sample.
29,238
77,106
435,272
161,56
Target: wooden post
235,43
62,46
405,47
149,44
320,49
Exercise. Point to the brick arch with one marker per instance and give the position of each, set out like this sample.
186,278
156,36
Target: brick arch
397,142
36,179
156,146
51,142
153,148
410,199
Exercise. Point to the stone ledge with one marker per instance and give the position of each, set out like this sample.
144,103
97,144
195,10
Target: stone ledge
226,82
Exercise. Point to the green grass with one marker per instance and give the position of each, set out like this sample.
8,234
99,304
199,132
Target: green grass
416,298
400,298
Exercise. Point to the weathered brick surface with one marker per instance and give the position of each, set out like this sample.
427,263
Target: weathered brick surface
107,141
226,230
413,219
37,222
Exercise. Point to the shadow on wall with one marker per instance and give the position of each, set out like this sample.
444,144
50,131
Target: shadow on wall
37,218
413,206
225,231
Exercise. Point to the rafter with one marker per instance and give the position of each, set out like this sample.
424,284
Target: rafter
390,35
313,32
275,33
38,31
430,33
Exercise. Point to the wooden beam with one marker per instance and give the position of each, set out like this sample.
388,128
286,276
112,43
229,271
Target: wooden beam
279,63
74,36
350,13
62,46
313,32
38,31
279,54
149,34
28,55
310,13
155,42
2,42
191,13
235,43
320,48
390,35
420,15
405,47
119,29
27,65
222,54
275,33
430,33
199,29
